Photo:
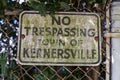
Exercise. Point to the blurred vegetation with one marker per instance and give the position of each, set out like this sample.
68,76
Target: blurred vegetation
46,5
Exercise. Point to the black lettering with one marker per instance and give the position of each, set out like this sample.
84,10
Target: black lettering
27,30
25,51
54,31
93,53
66,20
83,32
91,32
48,31
67,54
46,53
82,54
33,53
73,42
88,54
52,41
61,42
66,30
39,53
56,20
73,53
60,53
53,54
34,31
41,31
80,42
45,42
79,54
60,32
73,32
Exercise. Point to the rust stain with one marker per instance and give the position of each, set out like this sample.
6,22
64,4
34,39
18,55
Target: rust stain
22,36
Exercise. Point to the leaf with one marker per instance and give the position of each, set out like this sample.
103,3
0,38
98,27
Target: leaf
3,5
64,5
38,6
99,1
91,1
1,13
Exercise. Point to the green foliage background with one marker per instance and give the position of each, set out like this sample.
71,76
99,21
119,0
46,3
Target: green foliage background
45,5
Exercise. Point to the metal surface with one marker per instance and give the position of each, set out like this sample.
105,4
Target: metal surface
108,44
65,39
115,42
112,35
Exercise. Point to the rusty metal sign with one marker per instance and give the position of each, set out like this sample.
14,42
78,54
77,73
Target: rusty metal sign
67,38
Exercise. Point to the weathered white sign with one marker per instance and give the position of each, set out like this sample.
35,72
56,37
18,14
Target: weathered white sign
70,39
